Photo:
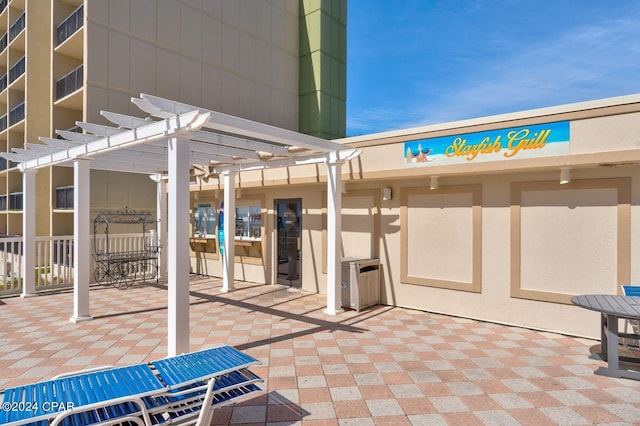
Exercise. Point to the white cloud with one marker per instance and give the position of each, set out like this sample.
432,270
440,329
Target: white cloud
584,63
588,63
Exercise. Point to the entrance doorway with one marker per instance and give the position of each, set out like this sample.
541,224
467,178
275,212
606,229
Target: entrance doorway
289,230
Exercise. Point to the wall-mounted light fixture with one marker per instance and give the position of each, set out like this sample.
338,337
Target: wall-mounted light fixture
565,175
386,194
434,182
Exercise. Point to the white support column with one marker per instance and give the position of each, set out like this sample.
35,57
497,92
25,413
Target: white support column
81,239
334,231
229,181
178,247
161,213
28,233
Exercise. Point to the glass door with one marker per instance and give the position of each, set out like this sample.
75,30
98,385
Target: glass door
289,233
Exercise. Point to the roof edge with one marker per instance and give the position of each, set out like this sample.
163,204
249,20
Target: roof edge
511,116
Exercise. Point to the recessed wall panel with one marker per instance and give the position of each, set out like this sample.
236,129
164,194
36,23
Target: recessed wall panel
440,236
358,226
568,241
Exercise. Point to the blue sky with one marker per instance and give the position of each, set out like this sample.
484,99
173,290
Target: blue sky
417,62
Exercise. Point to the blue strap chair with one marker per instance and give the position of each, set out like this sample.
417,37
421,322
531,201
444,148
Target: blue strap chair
177,390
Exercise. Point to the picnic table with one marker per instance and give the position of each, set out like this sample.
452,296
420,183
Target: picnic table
613,308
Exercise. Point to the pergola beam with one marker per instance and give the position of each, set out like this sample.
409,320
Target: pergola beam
236,126
125,121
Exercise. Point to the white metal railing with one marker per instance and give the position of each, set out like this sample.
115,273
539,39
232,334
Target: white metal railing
54,259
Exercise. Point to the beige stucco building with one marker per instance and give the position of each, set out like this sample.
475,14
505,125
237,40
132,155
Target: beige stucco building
64,61
500,218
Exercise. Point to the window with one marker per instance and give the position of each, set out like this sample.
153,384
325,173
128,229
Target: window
204,221
248,222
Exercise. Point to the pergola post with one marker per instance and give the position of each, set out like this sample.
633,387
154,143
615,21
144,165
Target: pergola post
81,239
334,231
161,213
178,246
228,262
28,233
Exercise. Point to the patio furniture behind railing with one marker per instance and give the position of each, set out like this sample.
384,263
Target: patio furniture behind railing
122,266
54,258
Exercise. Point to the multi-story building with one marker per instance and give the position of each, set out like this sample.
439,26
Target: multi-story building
280,62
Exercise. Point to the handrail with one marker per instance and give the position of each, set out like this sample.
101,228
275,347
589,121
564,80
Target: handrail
16,114
70,25
17,26
70,82
17,70
4,42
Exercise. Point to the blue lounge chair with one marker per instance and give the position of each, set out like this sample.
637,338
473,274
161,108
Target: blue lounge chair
178,390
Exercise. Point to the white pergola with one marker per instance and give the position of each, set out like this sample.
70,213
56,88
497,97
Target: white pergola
174,138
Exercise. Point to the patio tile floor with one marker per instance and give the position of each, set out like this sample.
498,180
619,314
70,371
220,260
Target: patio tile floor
384,365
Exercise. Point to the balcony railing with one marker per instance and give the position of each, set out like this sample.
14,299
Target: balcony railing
17,27
69,83
16,114
64,197
70,25
4,41
17,70
3,123
76,129
15,201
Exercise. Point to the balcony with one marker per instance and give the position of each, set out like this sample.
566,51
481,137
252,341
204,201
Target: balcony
4,42
15,201
3,82
16,114
64,197
3,123
17,27
17,70
76,129
3,5
3,203
3,164
69,83
70,25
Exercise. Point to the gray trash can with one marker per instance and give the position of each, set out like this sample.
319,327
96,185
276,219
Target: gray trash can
360,286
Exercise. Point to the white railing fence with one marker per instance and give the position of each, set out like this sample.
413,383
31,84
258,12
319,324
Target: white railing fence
54,259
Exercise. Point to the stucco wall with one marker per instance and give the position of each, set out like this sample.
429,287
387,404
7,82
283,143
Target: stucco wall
505,242
213,54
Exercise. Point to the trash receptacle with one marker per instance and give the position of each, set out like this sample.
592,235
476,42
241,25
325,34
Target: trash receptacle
360,286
